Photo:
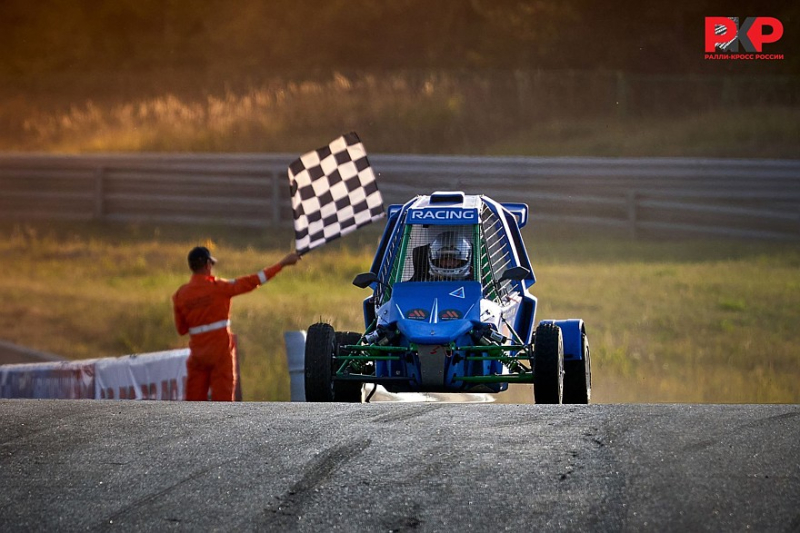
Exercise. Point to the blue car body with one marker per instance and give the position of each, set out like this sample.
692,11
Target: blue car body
424,333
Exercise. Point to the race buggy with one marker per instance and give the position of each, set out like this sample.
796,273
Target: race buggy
450,311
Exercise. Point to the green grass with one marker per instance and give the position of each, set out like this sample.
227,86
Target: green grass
668,321
702,321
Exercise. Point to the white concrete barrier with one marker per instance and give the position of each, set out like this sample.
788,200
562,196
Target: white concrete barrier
295,357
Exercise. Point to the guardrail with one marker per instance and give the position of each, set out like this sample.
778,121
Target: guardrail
739,198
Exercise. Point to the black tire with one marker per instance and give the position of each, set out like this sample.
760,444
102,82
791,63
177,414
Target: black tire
320,346
347,391
548,364
578,376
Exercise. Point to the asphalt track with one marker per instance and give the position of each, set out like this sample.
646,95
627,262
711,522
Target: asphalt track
161,466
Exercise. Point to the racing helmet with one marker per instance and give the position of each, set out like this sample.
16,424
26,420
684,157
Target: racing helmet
450,256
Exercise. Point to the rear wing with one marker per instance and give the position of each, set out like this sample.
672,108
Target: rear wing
520,212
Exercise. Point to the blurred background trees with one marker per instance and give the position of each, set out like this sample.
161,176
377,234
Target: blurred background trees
255,37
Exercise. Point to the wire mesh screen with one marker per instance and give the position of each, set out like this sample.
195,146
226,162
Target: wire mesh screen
495,256
436,253
386,273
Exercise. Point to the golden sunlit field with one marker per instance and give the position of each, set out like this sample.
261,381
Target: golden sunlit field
399,112
668,321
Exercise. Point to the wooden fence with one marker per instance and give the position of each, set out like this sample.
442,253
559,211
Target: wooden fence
739,198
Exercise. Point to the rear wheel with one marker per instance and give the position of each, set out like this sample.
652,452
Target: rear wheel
320,346
548,364
578,376
346,391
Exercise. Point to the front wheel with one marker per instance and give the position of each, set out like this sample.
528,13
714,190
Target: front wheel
320,346
548,364
578,376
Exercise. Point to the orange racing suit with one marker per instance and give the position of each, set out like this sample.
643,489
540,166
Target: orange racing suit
202,309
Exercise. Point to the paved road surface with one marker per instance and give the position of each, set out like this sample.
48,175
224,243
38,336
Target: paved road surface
160,466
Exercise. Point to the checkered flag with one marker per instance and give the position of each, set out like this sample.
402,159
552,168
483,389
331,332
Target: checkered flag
334,192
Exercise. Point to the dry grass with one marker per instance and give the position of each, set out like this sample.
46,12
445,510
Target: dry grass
400,113
275,117
765,132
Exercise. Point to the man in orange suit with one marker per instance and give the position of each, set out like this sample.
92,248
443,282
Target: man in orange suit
202,309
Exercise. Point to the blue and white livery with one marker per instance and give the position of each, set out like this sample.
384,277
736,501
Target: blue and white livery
451,311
